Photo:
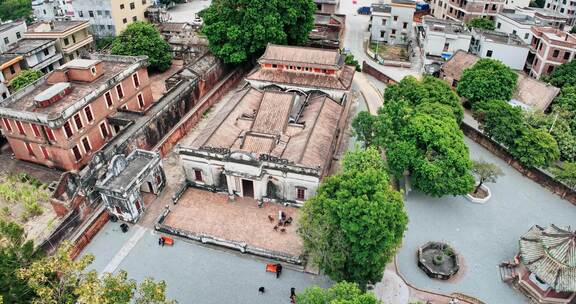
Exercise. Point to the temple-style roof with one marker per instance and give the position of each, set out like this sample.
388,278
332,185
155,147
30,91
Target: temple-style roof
287,125
550,253
302,56
306,80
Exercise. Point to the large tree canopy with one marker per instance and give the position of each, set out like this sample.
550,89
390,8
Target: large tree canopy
563,75
352,227
340,293
487,79
141,38
239,30
15,9
418,128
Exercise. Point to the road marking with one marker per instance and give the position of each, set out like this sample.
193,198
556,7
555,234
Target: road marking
124,251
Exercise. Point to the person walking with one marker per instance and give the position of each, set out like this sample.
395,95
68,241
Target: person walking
278,270
292,295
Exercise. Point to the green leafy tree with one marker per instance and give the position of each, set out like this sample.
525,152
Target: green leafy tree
499,120
352,227
15,252
363,127
563,75
143,39
486,80
418,128
23,79
339,293
485,172
239,30
535,148
481,23
15,9
566,174
350,60
59,279
557,124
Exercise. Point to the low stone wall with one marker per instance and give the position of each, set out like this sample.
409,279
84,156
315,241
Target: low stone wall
536,174
87,234
372,71
212,240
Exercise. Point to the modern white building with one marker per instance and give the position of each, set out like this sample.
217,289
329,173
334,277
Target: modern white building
520,21
508,48
110,17
442,38
46,10
10,33
565,7
392,23
512,4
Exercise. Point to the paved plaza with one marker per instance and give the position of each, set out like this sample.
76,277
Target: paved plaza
210,213
194,273
484,235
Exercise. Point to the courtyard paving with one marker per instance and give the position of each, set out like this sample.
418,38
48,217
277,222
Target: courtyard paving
194,273
484,235
206,212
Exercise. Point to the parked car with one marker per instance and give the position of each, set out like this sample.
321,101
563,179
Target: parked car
364,10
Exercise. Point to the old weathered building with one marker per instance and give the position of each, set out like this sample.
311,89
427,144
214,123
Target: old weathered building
63,118
303,68
38,54
73,38
328,31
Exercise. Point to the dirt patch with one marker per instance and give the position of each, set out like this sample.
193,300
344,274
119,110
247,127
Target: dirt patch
390,52
480,193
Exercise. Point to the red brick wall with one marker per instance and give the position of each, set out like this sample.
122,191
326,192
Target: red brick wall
8,75
89,233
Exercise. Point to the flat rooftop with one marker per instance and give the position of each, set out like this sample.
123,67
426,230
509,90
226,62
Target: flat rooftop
136,162
59,26
7,57
499,37
444,26
520,18
8,25
27,45
79,91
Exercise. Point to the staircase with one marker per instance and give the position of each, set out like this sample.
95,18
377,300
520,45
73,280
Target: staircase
508,272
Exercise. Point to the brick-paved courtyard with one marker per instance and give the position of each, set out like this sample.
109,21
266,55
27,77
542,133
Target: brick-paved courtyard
201,211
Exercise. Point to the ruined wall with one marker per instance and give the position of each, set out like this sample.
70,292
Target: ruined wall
370,70
544,179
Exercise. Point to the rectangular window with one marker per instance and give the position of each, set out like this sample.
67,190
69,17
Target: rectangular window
405,25
6,41
99,13
198,175
86,144
526,36
382,33
7,124
45,152
80,14
121,6
108,97
88,112
446,47
300,193
498,25
136,80
143,1
49,133
555,53
395,18
104,130
566,55
77,154
91,14
119,91
393,32
124,21
489,53
134,18
68,129
141,101
66,41
12,70
29,148
20,127
46,52
132,6
550,69
18,35
78,121
35,130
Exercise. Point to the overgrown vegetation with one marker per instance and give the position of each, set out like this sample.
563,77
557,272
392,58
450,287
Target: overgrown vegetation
339,293
350,60
23,79
481,23
22,189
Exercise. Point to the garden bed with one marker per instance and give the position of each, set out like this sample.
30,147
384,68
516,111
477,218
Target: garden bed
390,52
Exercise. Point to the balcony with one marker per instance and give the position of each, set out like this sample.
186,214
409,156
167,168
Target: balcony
74,46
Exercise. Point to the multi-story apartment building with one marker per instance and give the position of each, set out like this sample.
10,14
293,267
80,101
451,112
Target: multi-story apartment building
466,10
49,9
520,21
9,68
549,48
392,23
327,6
38,54
110,17
10,33
62,119
564,7
442,38
73,38
508,48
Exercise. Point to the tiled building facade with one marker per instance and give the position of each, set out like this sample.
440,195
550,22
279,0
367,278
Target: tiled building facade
466,10
549,48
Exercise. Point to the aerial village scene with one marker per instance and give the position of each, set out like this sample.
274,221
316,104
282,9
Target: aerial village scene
288,151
